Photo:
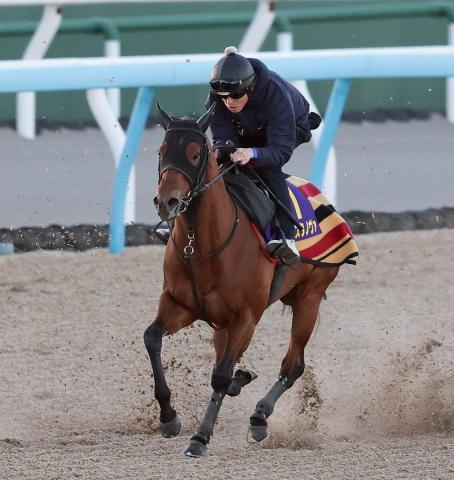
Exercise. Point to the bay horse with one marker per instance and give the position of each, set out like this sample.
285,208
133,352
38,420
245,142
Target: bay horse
214,270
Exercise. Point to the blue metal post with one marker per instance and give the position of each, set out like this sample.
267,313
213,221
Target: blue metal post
128,155
333,115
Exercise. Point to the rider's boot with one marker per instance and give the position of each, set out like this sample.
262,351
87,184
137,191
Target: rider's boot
284,249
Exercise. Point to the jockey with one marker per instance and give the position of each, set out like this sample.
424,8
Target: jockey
266,118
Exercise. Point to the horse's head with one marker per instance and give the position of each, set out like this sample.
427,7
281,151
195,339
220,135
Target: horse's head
183,161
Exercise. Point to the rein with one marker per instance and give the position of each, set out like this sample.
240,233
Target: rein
200,188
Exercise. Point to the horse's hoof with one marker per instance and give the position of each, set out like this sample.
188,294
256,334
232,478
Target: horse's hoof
257,434
234,389
195,449
172,428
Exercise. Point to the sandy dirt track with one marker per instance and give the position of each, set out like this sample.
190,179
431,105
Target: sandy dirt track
376,401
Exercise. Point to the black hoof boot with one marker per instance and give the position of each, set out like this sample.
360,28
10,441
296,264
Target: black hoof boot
241,378
172,428
257,433
258,428
195,449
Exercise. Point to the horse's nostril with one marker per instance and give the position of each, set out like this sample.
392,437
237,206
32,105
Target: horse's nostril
166,207
172,203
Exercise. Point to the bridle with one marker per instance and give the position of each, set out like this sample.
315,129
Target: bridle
196,180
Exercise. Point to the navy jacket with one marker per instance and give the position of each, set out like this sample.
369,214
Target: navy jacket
274,120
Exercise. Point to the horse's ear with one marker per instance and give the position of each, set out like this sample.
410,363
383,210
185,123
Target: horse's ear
205,119
164,117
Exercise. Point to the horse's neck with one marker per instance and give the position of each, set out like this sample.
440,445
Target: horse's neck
214,217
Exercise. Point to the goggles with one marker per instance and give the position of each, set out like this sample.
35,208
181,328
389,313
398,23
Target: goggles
234,95
232,89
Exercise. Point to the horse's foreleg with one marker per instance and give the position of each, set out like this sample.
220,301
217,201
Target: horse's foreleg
306,303
171,318
242,377
230,345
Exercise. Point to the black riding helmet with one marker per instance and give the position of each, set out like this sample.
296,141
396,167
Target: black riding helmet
232,74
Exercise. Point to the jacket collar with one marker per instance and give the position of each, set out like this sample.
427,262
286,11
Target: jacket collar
263,79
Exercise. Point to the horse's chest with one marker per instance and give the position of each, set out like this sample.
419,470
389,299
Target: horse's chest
212,303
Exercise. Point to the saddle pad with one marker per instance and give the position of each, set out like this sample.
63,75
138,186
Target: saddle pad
326,238
329,241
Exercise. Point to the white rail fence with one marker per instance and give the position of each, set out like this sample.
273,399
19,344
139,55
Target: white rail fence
146,73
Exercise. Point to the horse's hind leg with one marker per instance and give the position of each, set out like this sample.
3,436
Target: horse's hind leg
171,318
229,345
305,300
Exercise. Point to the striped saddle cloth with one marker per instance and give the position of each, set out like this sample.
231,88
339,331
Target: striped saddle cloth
325,238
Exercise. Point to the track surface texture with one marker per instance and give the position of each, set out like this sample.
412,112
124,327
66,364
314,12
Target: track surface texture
375,402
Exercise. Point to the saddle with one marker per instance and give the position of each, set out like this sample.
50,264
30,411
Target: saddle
323,237
252,197
254,202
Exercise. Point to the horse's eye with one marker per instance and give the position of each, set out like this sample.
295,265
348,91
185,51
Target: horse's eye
192,152
195,158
